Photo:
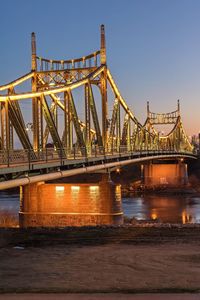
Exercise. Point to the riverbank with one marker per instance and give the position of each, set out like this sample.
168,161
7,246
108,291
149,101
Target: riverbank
126,259
98,296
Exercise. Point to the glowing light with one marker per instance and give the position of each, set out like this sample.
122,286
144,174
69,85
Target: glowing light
184,217
75,188
118,192
118,170
154,216
94,188
60,188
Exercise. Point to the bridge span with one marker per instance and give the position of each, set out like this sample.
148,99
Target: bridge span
58,167
65,129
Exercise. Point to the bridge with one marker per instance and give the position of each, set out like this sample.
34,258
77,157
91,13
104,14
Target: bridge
55,137
55,122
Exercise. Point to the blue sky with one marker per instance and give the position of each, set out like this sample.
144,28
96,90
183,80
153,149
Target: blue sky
153,46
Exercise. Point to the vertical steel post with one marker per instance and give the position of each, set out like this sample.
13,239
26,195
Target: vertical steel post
128,135
3,129
35,104
148,111
68,123
103,81
33,50
178,107
11,141
118,128
7,121
87,119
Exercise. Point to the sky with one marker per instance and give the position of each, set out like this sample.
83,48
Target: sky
153,46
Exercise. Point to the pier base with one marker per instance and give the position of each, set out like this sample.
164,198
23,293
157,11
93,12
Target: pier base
155,174
59,205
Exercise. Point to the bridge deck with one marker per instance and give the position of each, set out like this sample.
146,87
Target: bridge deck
71,162
61,167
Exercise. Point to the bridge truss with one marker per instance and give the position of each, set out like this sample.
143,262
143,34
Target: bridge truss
52,87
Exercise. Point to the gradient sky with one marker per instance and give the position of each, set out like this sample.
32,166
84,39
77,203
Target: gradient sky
153,46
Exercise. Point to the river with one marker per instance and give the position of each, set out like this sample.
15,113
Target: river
163,208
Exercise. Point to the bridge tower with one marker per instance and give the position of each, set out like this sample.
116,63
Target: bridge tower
36,103
167,172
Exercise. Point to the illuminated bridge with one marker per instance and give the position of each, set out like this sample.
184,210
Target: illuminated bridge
51,137
55,122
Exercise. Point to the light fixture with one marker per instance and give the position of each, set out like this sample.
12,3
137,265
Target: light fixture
94,187
60,188
75,188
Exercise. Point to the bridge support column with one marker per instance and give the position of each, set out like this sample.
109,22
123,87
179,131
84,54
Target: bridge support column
174,174
57,205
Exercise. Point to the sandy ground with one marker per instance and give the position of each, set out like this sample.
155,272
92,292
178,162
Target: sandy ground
99,297
111,267
129,260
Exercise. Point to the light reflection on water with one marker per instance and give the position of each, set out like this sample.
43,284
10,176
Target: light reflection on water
166,209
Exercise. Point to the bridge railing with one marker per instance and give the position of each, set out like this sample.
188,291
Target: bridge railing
15,157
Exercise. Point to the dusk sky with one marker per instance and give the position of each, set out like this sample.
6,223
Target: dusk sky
153,46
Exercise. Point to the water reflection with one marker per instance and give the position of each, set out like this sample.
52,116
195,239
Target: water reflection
166,209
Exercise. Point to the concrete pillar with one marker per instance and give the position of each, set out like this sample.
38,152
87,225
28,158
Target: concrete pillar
166,174
59,205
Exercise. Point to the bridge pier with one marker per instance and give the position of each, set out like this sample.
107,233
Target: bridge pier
65,204
174,174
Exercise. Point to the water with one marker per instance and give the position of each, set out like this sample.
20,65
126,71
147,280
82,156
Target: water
166,209
9,207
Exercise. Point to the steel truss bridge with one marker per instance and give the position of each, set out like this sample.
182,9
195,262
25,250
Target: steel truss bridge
55,136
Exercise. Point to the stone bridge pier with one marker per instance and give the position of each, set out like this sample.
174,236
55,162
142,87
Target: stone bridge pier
165,173
70,204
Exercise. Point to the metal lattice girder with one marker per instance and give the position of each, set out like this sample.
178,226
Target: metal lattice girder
75,120
3,126
11,138
103,86
114,119
136,139
125,130
17,121
141,138
46,131
52,127
163,118
67,137
57,76
20,116
87,118
95,116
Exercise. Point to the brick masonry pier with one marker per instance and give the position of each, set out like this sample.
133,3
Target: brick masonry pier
66,204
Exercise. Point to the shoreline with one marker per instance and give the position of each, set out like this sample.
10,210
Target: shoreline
113,259
141,232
